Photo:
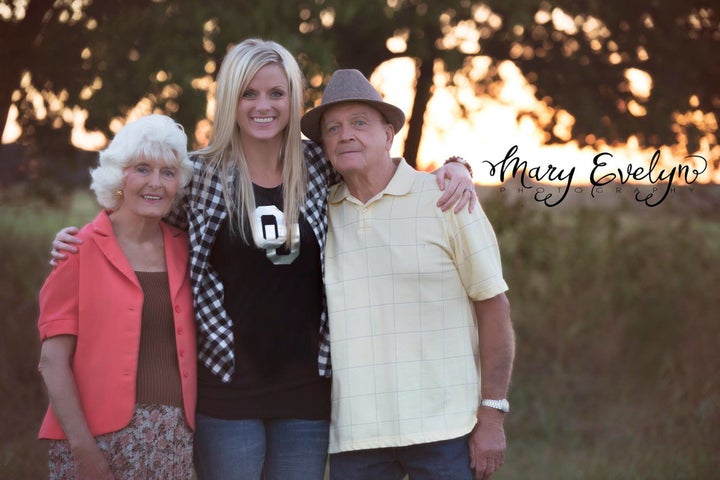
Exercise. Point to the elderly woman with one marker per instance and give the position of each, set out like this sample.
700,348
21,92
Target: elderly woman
116,322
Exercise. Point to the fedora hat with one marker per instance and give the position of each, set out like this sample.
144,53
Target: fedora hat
349,86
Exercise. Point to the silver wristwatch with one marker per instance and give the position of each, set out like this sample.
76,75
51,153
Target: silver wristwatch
502,405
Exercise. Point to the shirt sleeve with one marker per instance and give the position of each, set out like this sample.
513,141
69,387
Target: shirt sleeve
477,255
59,300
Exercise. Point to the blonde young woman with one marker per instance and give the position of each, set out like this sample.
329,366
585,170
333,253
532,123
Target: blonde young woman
257,218
116,322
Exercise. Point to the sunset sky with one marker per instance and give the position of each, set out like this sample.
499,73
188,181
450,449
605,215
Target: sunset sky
492,128
487,134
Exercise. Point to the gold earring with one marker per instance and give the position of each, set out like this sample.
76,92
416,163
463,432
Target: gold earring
119,193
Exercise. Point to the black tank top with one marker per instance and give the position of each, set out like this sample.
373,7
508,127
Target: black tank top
274,297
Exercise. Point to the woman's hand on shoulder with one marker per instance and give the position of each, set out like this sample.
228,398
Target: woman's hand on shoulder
455,181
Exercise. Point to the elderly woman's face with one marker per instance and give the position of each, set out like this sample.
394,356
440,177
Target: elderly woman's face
150,188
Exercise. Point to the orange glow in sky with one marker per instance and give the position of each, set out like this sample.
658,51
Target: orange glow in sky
489,131
492,129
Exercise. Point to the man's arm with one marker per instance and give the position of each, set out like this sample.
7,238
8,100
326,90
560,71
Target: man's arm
497,352
65,241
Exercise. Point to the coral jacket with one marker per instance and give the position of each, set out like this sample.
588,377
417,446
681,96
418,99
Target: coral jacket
96,296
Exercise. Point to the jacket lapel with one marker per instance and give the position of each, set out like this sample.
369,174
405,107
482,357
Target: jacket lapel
176,257
107,243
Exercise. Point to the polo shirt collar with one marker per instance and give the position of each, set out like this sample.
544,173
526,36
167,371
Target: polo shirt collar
400,184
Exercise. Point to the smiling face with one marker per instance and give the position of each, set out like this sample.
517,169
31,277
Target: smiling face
356,138
149,189
263,109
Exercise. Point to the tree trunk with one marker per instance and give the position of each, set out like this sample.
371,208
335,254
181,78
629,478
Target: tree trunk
5,101
423,87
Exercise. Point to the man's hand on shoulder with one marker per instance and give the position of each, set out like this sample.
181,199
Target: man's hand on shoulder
65,241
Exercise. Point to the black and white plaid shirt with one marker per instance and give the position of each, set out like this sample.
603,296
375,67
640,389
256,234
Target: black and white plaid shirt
215,336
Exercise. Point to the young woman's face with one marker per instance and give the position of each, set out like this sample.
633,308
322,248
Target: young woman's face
149,189
263,109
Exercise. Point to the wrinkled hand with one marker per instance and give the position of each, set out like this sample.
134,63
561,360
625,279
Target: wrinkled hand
91,464
65,241
487,446
457,186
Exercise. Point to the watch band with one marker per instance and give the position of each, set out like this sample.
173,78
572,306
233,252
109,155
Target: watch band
503,405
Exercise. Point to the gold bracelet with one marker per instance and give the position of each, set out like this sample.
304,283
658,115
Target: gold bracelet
461,161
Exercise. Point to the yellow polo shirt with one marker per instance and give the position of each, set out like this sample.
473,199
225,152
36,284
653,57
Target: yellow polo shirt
401,276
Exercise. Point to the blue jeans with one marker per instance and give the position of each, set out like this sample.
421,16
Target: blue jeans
286,449
445,460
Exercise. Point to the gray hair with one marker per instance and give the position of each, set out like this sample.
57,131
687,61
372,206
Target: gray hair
154,138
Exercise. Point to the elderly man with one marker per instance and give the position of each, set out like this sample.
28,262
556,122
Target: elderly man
421,338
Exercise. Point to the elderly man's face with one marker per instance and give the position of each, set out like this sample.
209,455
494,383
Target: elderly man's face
356,137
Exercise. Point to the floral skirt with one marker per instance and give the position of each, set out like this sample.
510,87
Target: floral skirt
157,444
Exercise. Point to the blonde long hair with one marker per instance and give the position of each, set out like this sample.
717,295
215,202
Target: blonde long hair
225,156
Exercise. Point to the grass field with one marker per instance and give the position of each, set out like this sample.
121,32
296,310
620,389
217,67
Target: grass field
617,373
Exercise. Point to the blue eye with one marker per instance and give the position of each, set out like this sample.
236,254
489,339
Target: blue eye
248,94
168,172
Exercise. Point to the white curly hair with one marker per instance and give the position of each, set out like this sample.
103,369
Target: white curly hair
153,138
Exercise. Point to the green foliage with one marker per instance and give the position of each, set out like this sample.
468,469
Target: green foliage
615,314
25,243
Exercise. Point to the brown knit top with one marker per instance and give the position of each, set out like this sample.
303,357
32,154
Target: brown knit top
158,376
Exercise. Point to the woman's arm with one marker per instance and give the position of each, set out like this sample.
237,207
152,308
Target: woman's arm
55,366
455,180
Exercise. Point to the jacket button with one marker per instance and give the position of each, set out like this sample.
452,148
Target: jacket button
179,331
177,308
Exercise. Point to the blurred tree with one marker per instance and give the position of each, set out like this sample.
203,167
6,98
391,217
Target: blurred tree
111,56
579,56
582,56
114,57
357,33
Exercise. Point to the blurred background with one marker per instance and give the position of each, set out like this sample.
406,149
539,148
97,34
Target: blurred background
615,302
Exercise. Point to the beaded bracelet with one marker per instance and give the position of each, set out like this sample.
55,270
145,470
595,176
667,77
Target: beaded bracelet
461,161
